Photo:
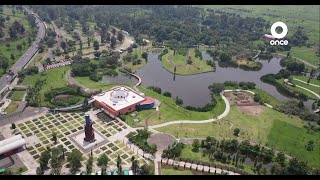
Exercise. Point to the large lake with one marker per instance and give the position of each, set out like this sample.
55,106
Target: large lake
193,89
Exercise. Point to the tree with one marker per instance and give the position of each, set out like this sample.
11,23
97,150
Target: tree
166,93
88,39
4,64
44,159
103,161
12,57
97,54
224,57
114,31
134,164
113,42
54,137
19,47
74,159
96,45
29,41
195,145
288,54
8,46
236,132
56,160
144,55
216,88
297,168
89,164
120,36
300,104
281,159
118,161
24,44
13,126
67,57
39,171
178,101
63,45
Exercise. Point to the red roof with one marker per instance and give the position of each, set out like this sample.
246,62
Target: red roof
149,100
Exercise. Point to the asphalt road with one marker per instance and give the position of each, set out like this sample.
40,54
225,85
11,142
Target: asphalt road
26,57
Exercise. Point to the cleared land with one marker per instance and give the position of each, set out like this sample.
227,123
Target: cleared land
270,128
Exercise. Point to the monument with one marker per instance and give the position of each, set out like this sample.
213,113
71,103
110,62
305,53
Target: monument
88,130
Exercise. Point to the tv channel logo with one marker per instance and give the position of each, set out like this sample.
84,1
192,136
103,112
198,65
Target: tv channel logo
278,36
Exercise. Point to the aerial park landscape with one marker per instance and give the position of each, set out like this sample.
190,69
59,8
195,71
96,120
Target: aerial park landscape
159,90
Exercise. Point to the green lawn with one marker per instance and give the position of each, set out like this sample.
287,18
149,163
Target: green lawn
13,106
267,98
312,88
307,93
292,140
197,66
171,171
260,128
17,95
168,111
55,79
97,85
307,54
305,78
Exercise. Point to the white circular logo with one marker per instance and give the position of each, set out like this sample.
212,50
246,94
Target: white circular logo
284,30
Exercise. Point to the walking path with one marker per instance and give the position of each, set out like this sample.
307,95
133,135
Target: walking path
306,82
317,95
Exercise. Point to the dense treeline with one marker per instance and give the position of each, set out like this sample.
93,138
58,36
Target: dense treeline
183,24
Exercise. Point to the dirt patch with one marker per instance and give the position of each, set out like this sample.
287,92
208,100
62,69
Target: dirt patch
161,140
251,110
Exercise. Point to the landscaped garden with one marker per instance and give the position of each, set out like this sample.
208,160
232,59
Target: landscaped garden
65,124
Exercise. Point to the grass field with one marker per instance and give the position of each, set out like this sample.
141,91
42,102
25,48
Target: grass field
169,111
13,106
12,49
308,54
37,58
17,95
97,85
263,128
305,78
197,66
171,171
267,98
307,93
55,79
312,88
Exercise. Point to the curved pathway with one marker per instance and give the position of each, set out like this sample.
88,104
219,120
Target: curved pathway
224,114
306,82
317,95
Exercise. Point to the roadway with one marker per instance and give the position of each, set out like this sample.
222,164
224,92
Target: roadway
26,57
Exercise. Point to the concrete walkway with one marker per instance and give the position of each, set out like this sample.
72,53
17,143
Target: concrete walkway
306,82
317,95
224,114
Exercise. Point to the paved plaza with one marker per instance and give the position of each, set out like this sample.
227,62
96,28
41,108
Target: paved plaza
69,127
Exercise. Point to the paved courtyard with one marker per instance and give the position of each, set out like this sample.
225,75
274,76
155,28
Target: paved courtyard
38,134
